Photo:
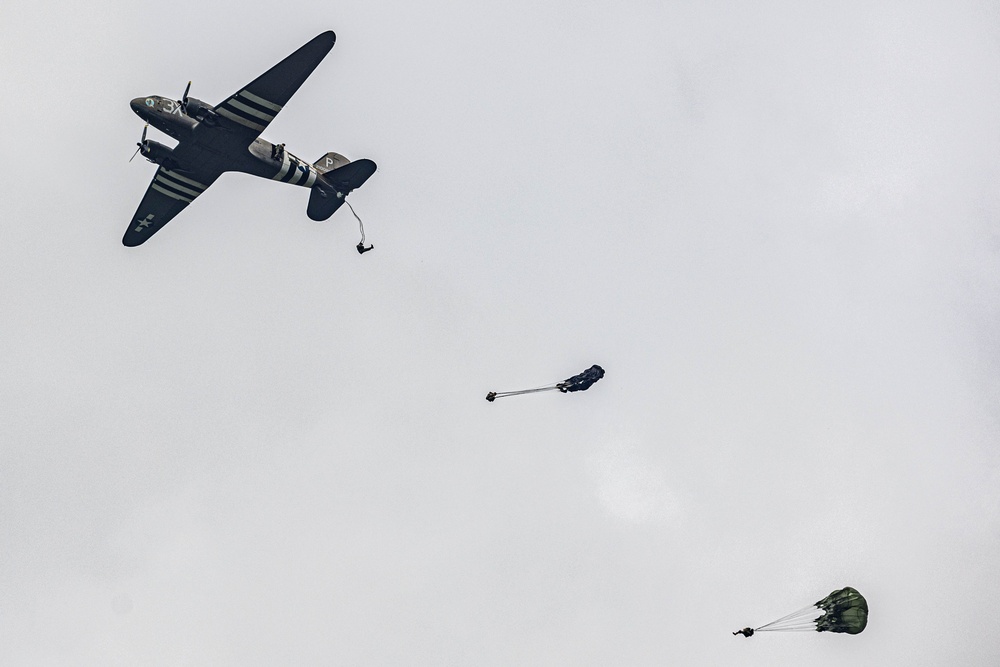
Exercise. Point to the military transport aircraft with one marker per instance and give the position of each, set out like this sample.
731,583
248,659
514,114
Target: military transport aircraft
212,140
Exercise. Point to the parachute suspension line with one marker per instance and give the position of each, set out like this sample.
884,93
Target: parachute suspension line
361,246
493,395
798,628
360,224
807,620
501,394
811,609
804,616
843,610
578,382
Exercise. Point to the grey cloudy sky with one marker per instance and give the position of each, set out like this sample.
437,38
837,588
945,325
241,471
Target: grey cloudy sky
774,224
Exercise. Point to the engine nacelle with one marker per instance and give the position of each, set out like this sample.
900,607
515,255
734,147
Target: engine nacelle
159,154
201,111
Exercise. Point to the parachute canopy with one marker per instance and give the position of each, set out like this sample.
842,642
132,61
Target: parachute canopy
580,382
844,610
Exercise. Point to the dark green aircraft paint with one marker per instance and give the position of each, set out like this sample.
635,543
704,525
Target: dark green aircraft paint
226,137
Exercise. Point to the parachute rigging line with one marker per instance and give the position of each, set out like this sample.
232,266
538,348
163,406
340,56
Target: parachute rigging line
361,246
794,618
493,395
843,611
580,382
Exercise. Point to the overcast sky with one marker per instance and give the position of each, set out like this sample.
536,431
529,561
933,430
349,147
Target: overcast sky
774,224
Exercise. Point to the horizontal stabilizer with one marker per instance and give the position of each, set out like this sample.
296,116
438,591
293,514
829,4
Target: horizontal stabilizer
332,187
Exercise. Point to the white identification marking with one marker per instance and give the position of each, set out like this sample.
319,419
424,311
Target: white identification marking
284,167
173,108
329,161
260,100
236,119
169,193
253,112
176,186
183,179
295,176
145,222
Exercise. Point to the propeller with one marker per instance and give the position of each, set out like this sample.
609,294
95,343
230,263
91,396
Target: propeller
142,142
184,99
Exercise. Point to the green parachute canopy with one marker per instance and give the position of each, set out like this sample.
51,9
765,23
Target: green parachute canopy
844,610
580,382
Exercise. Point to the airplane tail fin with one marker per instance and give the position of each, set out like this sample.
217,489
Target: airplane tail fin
335,182
329,162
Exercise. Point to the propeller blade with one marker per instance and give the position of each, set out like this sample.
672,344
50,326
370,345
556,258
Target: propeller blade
141,143
184,99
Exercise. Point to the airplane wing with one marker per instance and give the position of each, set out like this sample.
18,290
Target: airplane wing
250,110
168,195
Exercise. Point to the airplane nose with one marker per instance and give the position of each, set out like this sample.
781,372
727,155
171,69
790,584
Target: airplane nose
137,105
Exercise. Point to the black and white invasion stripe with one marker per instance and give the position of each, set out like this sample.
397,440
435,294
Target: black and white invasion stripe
176,186
295,172
249,110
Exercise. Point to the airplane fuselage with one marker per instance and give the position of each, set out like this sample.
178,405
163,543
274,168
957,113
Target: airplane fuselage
210,145
212,140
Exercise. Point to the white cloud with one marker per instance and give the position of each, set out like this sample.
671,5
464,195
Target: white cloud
630,486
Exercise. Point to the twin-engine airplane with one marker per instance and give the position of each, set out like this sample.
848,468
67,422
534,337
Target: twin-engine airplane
212,140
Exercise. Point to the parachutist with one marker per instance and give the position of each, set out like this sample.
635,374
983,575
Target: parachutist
580,382
746,632
844,610
362,249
